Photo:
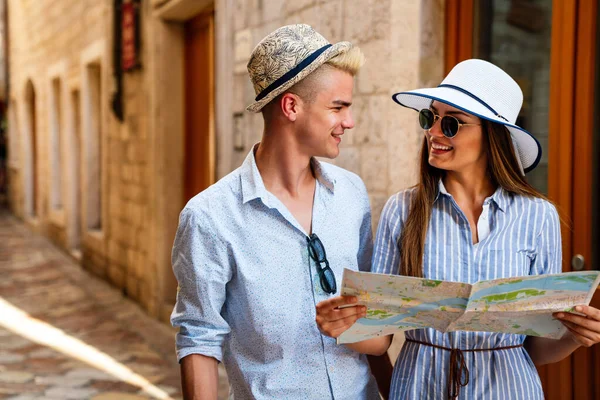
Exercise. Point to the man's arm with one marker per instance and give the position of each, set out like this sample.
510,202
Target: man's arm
381,368
202,268
199,377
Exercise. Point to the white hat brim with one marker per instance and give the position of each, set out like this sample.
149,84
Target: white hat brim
334,50
528,149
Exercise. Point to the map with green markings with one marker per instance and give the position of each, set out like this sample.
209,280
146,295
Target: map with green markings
518,305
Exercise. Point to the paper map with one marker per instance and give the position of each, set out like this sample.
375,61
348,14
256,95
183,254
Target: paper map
519,305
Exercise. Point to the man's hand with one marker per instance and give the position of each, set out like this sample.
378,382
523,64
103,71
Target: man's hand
333,320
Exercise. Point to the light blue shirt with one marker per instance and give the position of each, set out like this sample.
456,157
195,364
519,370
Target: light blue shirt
523,239
248,288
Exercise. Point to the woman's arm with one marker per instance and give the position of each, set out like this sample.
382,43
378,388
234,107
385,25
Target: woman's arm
582,331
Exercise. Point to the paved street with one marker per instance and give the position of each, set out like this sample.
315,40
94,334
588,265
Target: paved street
65,334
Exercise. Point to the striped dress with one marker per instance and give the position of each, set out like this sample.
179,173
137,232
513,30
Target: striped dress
521,236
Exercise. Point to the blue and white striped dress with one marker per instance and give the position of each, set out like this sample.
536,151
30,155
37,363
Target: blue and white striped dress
524,239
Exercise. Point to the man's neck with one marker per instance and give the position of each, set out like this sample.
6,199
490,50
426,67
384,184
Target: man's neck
283,168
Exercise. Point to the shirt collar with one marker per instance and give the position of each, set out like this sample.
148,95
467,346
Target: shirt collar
500,196
253,186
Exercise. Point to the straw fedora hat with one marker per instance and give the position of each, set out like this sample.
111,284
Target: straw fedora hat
285,57
482,89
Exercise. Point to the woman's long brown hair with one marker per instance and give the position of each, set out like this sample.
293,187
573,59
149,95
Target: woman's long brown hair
503,169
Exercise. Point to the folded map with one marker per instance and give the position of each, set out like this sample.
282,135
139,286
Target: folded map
519,305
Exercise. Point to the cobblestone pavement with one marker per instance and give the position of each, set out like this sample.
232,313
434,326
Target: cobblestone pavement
65,334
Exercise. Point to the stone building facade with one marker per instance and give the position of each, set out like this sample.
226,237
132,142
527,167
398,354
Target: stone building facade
110,191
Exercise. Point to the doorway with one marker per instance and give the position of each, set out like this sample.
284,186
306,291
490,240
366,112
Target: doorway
31,155
199,160
75,168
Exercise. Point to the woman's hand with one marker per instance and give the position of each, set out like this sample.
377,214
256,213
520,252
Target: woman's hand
584,330
333,320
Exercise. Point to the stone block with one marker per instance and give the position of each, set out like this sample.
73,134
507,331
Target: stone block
116,275
136,215
134,193
240,17
377,200
330,22
374,166
349,158
366,21
117,253
243,44
142,131
145,295
127,173
404,147
132,286
136,152
255,12
308,16
141,240
370,116
291,6
240,100
375,76
271,10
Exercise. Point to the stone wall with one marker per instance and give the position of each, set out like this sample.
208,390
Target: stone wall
140,159
58,40
403,45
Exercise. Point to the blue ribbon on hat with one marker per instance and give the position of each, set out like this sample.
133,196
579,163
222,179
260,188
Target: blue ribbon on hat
292,72
474,97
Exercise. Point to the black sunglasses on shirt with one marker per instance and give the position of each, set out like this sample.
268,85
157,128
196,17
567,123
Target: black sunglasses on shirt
316,250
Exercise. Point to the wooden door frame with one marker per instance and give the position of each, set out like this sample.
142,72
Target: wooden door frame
571,114
205,18
166,125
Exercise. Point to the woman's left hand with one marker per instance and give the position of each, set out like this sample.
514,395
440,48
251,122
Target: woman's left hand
584,330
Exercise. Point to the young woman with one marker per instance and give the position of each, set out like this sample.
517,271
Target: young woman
471,217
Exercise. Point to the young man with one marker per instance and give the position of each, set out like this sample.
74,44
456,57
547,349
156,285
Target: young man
255,252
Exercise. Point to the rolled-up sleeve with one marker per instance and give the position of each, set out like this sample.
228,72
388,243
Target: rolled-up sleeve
548,258
202,268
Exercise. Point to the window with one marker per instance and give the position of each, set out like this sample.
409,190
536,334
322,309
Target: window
56,127
93,143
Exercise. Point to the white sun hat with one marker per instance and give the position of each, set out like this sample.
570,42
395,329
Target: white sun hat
285,57
484,90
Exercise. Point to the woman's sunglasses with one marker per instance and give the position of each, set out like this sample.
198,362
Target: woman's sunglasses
450,125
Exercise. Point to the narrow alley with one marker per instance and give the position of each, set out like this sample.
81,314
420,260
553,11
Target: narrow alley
65,334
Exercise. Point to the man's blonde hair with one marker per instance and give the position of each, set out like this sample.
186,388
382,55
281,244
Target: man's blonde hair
349,61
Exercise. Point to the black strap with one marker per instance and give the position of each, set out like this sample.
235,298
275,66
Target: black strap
474,97
291,73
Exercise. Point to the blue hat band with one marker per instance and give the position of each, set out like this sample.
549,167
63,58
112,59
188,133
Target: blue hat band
486,105
292,72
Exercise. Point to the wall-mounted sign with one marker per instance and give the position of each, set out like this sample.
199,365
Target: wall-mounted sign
129,40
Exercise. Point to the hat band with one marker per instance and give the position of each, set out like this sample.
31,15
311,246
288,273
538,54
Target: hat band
292,72
474,97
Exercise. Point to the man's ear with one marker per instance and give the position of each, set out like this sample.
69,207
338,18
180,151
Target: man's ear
290,104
